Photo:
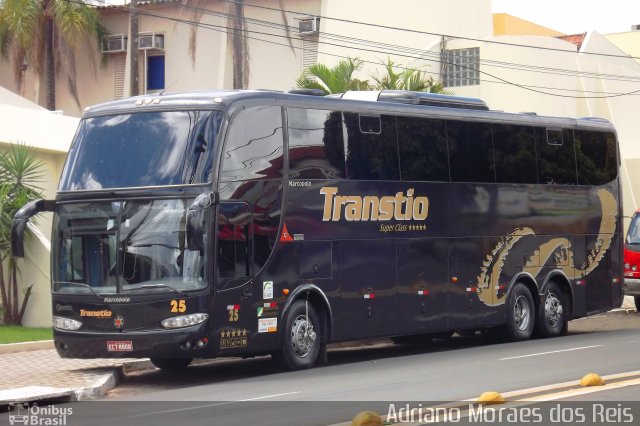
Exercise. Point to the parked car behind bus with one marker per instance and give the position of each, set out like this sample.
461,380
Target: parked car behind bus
632,260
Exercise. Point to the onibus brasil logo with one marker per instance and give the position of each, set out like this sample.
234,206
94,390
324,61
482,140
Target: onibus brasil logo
52,415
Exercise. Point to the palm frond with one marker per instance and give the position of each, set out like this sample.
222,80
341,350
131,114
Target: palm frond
20,167
74,21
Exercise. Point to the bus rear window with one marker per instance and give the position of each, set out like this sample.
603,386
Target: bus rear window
142,149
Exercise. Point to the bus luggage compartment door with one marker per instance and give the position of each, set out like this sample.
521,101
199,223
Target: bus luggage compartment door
367,288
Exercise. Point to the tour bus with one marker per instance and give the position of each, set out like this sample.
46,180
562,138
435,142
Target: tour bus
244,223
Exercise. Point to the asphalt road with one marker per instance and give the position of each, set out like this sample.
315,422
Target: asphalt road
247,392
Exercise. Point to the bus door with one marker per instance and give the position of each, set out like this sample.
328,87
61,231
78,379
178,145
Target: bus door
367,288
234,318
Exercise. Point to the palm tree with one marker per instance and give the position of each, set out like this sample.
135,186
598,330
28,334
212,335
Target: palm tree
20,172
338,79
45,34
407,79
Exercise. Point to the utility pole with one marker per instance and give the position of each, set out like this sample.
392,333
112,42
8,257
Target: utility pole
133,47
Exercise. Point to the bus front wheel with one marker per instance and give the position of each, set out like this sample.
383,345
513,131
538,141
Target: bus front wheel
171,365
520,314
301,340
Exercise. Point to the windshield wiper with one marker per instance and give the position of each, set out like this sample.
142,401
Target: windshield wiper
79,285
155,286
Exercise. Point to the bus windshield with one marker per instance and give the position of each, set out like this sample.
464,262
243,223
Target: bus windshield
142,149
123,247
633,236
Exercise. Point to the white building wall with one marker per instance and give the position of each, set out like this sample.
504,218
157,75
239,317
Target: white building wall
35,268
435,17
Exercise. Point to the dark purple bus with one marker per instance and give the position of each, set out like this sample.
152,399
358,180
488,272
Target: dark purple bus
211,224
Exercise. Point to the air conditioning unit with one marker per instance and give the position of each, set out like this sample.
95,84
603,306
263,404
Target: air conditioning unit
114,43
150,41
309,25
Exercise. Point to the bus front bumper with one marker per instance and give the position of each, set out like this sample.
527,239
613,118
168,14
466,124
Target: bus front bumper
188,342
632,287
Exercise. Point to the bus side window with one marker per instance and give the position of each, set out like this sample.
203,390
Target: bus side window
254,147
515,153
316,144
423,149
371,155
596,157
470,151
233,257
556,156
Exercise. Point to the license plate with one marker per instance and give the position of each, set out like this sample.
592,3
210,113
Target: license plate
120,346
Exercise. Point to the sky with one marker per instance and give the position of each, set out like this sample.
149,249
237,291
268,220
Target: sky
574,16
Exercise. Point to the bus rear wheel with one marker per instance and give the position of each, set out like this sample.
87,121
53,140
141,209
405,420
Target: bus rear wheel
171,365
552,312
301,340
520,314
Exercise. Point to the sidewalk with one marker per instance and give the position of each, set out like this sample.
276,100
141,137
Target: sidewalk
40,374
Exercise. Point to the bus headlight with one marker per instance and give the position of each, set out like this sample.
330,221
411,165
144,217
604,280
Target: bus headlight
66,323
184,320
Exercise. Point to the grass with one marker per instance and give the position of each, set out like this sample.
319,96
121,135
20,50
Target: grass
16,334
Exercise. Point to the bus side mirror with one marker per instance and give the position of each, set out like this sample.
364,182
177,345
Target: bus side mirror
196,220
20,223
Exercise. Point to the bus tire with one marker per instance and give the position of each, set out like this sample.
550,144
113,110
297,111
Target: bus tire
552,318
171,365
302,338
520,314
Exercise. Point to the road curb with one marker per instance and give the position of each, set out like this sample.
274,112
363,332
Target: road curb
100,387
38,345
97,389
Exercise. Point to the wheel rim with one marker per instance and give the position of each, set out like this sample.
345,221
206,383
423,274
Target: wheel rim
522,313
553,310
303,337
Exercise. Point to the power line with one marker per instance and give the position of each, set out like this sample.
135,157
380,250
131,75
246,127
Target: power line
349,21
222,28
420,52
425,55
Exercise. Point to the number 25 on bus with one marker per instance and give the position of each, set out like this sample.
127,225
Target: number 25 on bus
213,224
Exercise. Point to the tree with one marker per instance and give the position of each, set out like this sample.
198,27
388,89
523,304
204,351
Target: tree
20,172
338,79
45,34
407,79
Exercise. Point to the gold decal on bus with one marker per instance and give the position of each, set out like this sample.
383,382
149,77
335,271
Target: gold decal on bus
233,338
557,251
178,306
354,208
233,312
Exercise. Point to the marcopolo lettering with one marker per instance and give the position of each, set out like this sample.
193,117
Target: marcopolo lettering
117,299
370,207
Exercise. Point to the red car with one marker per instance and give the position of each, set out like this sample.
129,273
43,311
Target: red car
632,260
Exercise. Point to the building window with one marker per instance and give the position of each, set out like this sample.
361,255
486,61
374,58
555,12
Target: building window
461,67
155,73
119,68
